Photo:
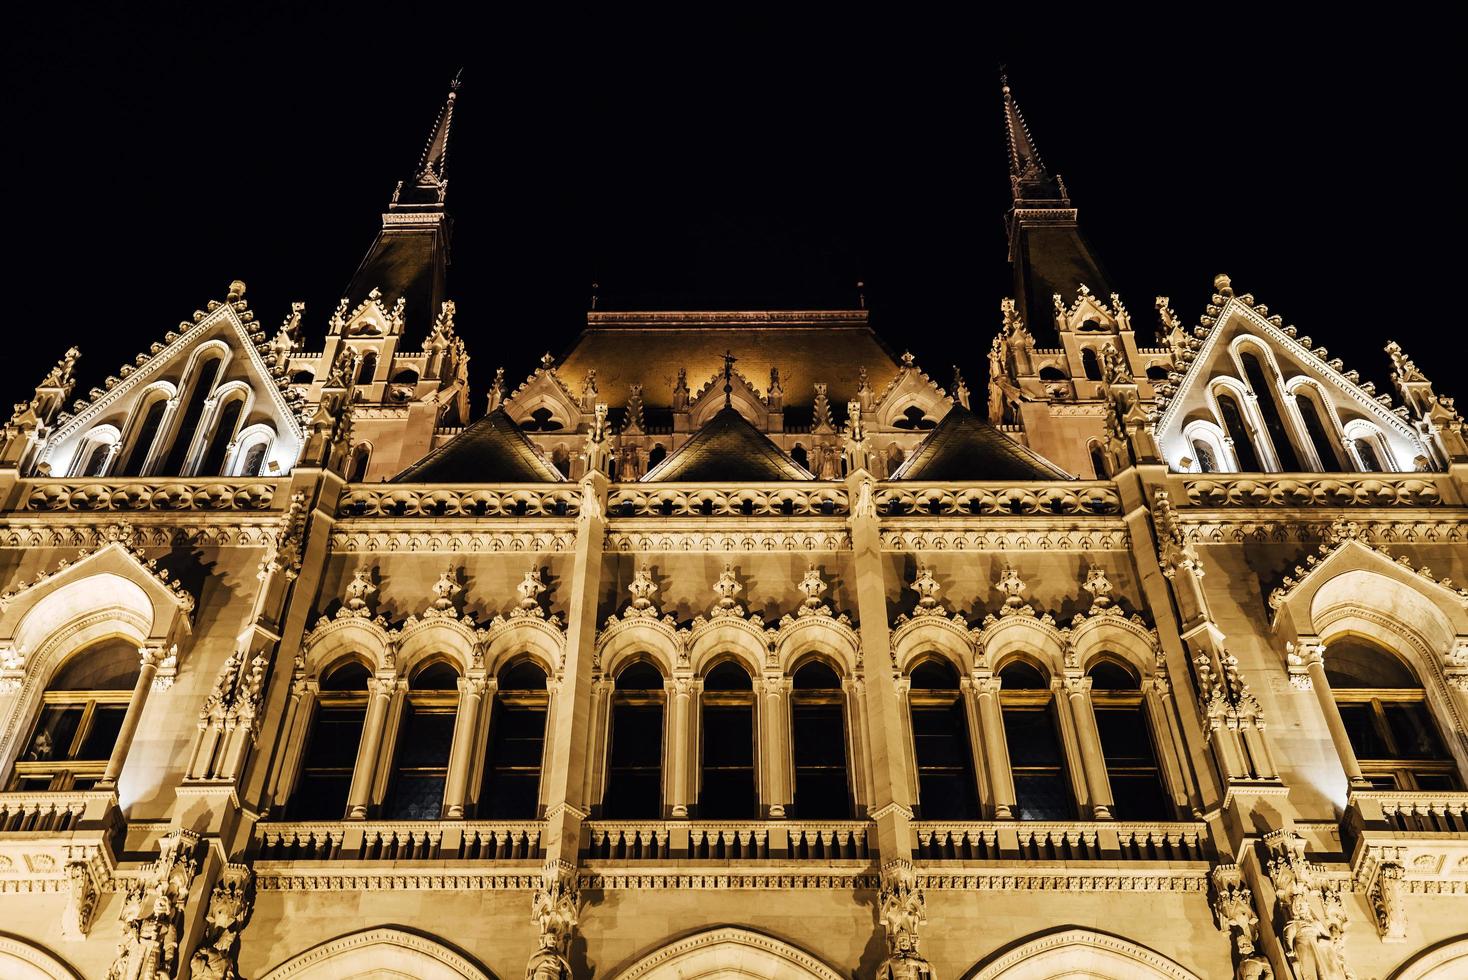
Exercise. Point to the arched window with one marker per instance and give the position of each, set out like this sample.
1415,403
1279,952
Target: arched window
1370,460
93,457
511,789
1204,453
1238,432
726,789
331,746
1036,761
357,468
818,734
635,760
1387,719
1127,744
1320,436
224,430
367,370
945,764
145,432
541,420
914,418
797,453
1262,382
303,377
183,434
425,737
1052,373
1098,460
1090,364
254,462
80,717
406,376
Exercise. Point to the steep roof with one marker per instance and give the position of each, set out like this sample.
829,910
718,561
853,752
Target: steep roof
491,450
727,448
965,447
807,346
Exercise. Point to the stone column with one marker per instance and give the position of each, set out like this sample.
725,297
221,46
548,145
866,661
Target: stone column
996,748
975,729
680,748
1078,691
461,755
380,691
858,749
1157,698
595,778
775,742
1315,665
148,663
299,711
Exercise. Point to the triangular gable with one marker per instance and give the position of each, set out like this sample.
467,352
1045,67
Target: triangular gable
746,398
232,323
544,389
491,450
1228,318
910,388
965,447
727,448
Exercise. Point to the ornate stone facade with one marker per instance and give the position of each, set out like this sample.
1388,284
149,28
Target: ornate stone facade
1156,666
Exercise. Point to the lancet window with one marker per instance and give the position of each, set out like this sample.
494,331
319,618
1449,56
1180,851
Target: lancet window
511,789
727,784
1261,381
635,760
818,736
1036,759
1238,433
206,373
331,747
946,787
1127,744
425,737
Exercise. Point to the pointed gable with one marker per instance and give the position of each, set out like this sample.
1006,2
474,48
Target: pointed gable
965,447
491,450
727,448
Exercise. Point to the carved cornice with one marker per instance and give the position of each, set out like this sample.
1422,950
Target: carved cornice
1039,879
752,539
948,538
1213,529
1368,490
423,540
148,494
205,534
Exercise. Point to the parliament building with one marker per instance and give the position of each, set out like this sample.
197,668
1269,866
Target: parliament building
735,644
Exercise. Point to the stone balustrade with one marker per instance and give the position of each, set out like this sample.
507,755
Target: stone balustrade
1409,813
685,500
430,840
149,494
1077,498
676,840
1066,841
1314,490
53,813
436,501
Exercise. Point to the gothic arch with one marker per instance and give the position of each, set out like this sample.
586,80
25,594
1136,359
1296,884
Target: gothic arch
375,952
1442,962
445,635
544,643
332,639
933,634
1117,636
823,635
1081,953
726,952
19,960
1028,636
728,635
642,638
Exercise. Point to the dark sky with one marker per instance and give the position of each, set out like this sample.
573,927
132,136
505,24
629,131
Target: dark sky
745,162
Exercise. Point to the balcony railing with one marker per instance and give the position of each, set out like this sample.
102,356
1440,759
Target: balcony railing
1313,489
53,813
720,841
1410,813
426,500
150,493
1022,840
447,840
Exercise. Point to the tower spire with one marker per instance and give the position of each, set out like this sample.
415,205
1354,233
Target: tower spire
430,183
1028,178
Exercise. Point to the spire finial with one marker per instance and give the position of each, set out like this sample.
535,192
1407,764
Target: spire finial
1028,177
430,181
729,360
595,290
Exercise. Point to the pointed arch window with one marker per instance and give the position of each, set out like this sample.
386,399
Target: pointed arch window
1036,760
1315,426
425,737
1207,463
511,789
357,468
726,787
940,739
331,746
1128,745
145,433
1090,364
1098,460
81,716
254,463
1387,719
205,375
224,430
635,758
818,736
1262,382
367,370
1366,452
1238,433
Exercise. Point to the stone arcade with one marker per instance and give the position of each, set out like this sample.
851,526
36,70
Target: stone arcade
732,644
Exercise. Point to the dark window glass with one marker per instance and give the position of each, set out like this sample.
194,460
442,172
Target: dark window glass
1324,445
142,440
1098,462
229,419
1131,763
254,460
1413,731
102,736
1020,676
1238,433
1206,462
1037,763
184,432
727,789
1387,719
946,788
1361,729
635,766
326,770
422,763
517,742
1090,365
361,456
934,675
1370,462
55,731
1263,385
96,459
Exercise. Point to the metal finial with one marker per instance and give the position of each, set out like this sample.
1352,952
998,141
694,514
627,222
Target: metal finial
729,360
595,287
861,294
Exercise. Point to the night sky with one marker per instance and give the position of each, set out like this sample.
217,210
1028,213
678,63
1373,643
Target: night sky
746,162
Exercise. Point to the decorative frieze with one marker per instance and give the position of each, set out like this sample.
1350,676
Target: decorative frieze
1367,490
1041,499
918,538
148,495
230,904
426,540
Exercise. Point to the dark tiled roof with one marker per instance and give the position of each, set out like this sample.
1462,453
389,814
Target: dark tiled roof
965,447
404,261
492,450
727,448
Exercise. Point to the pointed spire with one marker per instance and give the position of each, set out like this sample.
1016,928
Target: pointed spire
430,179
1028,178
